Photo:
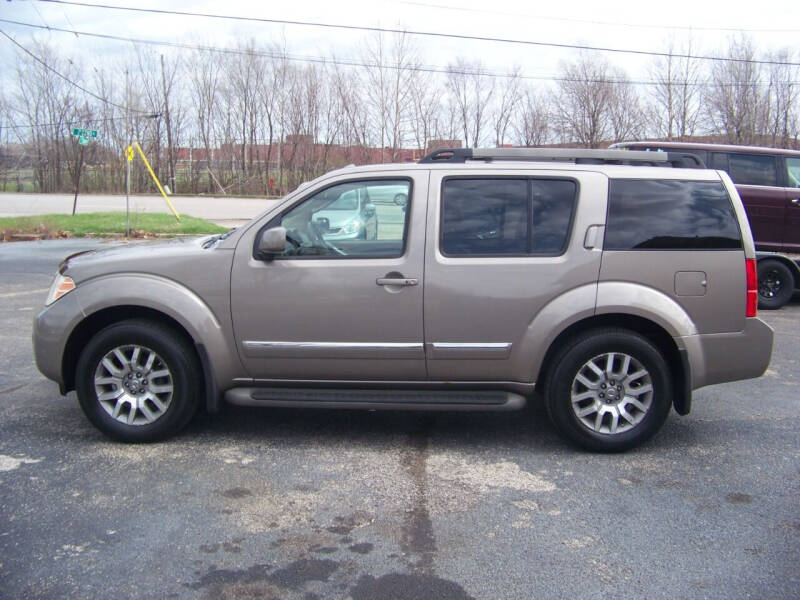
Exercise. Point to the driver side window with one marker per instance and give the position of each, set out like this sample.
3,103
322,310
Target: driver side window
358,219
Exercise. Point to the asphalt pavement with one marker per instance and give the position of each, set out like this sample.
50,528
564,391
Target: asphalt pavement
316,504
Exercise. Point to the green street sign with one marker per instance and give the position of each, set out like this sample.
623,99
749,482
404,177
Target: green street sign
83,140
86,133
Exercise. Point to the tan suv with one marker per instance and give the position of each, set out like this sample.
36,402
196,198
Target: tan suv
611,282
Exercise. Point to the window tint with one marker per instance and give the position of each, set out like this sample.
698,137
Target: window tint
668,214
793,172
753,169
357,219
485,216
506,217
552,201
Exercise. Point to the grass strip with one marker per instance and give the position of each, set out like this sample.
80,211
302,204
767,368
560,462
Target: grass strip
104,224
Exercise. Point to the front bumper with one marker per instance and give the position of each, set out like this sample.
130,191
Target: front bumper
51,329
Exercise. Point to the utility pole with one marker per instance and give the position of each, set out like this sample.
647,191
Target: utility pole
82,141
170,155
77,182
127,158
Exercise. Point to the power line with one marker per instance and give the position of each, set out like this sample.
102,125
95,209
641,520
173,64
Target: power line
423,33
354,63
64,77
593,22
78,122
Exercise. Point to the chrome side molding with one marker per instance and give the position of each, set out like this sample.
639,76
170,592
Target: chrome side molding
279,349
469,350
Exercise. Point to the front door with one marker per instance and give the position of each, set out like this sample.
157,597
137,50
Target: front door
344,301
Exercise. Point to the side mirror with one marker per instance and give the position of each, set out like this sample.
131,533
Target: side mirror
369,209
271,242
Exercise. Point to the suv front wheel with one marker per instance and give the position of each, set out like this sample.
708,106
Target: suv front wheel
137,381
608,390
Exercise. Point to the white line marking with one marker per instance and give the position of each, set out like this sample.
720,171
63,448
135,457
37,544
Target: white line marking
15,294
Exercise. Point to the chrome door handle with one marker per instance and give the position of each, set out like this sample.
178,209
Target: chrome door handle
396,281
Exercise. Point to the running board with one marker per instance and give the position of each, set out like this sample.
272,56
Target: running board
446,400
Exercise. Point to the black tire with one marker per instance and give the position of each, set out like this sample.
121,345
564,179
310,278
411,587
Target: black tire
775,284
173,354
561,383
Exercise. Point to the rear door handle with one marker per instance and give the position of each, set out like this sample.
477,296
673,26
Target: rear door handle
396,281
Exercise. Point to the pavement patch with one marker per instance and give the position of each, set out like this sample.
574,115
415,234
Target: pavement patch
11,463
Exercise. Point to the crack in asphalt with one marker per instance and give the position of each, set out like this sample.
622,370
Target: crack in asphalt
14,388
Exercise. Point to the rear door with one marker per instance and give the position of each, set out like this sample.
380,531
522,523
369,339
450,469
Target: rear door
501,245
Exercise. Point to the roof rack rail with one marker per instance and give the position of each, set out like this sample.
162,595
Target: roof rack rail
575,155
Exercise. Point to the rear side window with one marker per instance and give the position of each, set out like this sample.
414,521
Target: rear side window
506,217
667,214
753,169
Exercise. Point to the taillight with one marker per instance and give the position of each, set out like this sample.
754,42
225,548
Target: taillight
752,287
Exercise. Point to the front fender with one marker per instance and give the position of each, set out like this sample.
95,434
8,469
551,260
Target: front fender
174,300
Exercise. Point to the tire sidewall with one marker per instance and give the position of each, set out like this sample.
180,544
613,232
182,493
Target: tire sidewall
175,355
576,355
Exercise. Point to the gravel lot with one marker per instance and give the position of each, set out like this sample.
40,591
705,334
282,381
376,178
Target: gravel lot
307,505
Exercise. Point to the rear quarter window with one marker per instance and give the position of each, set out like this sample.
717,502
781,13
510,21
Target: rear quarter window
668,214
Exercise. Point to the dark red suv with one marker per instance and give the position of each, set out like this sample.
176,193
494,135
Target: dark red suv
768,181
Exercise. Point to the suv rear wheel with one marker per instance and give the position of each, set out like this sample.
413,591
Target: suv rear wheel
137,381
609,390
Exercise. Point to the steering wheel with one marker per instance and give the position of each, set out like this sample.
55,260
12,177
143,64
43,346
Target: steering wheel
316,236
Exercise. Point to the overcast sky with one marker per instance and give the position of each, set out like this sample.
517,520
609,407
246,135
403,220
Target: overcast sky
635,25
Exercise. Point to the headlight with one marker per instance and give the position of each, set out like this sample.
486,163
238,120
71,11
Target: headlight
351,227
61,285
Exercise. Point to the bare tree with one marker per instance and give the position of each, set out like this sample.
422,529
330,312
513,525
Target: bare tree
584,94
625,110
471,90
735,98
205,73
533,122
387,84
782,93
508,100
675,108
426,109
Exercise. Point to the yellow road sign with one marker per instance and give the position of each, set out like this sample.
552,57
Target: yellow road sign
129,153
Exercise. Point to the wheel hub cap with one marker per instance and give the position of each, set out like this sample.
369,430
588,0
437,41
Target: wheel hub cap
611,393
133,384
